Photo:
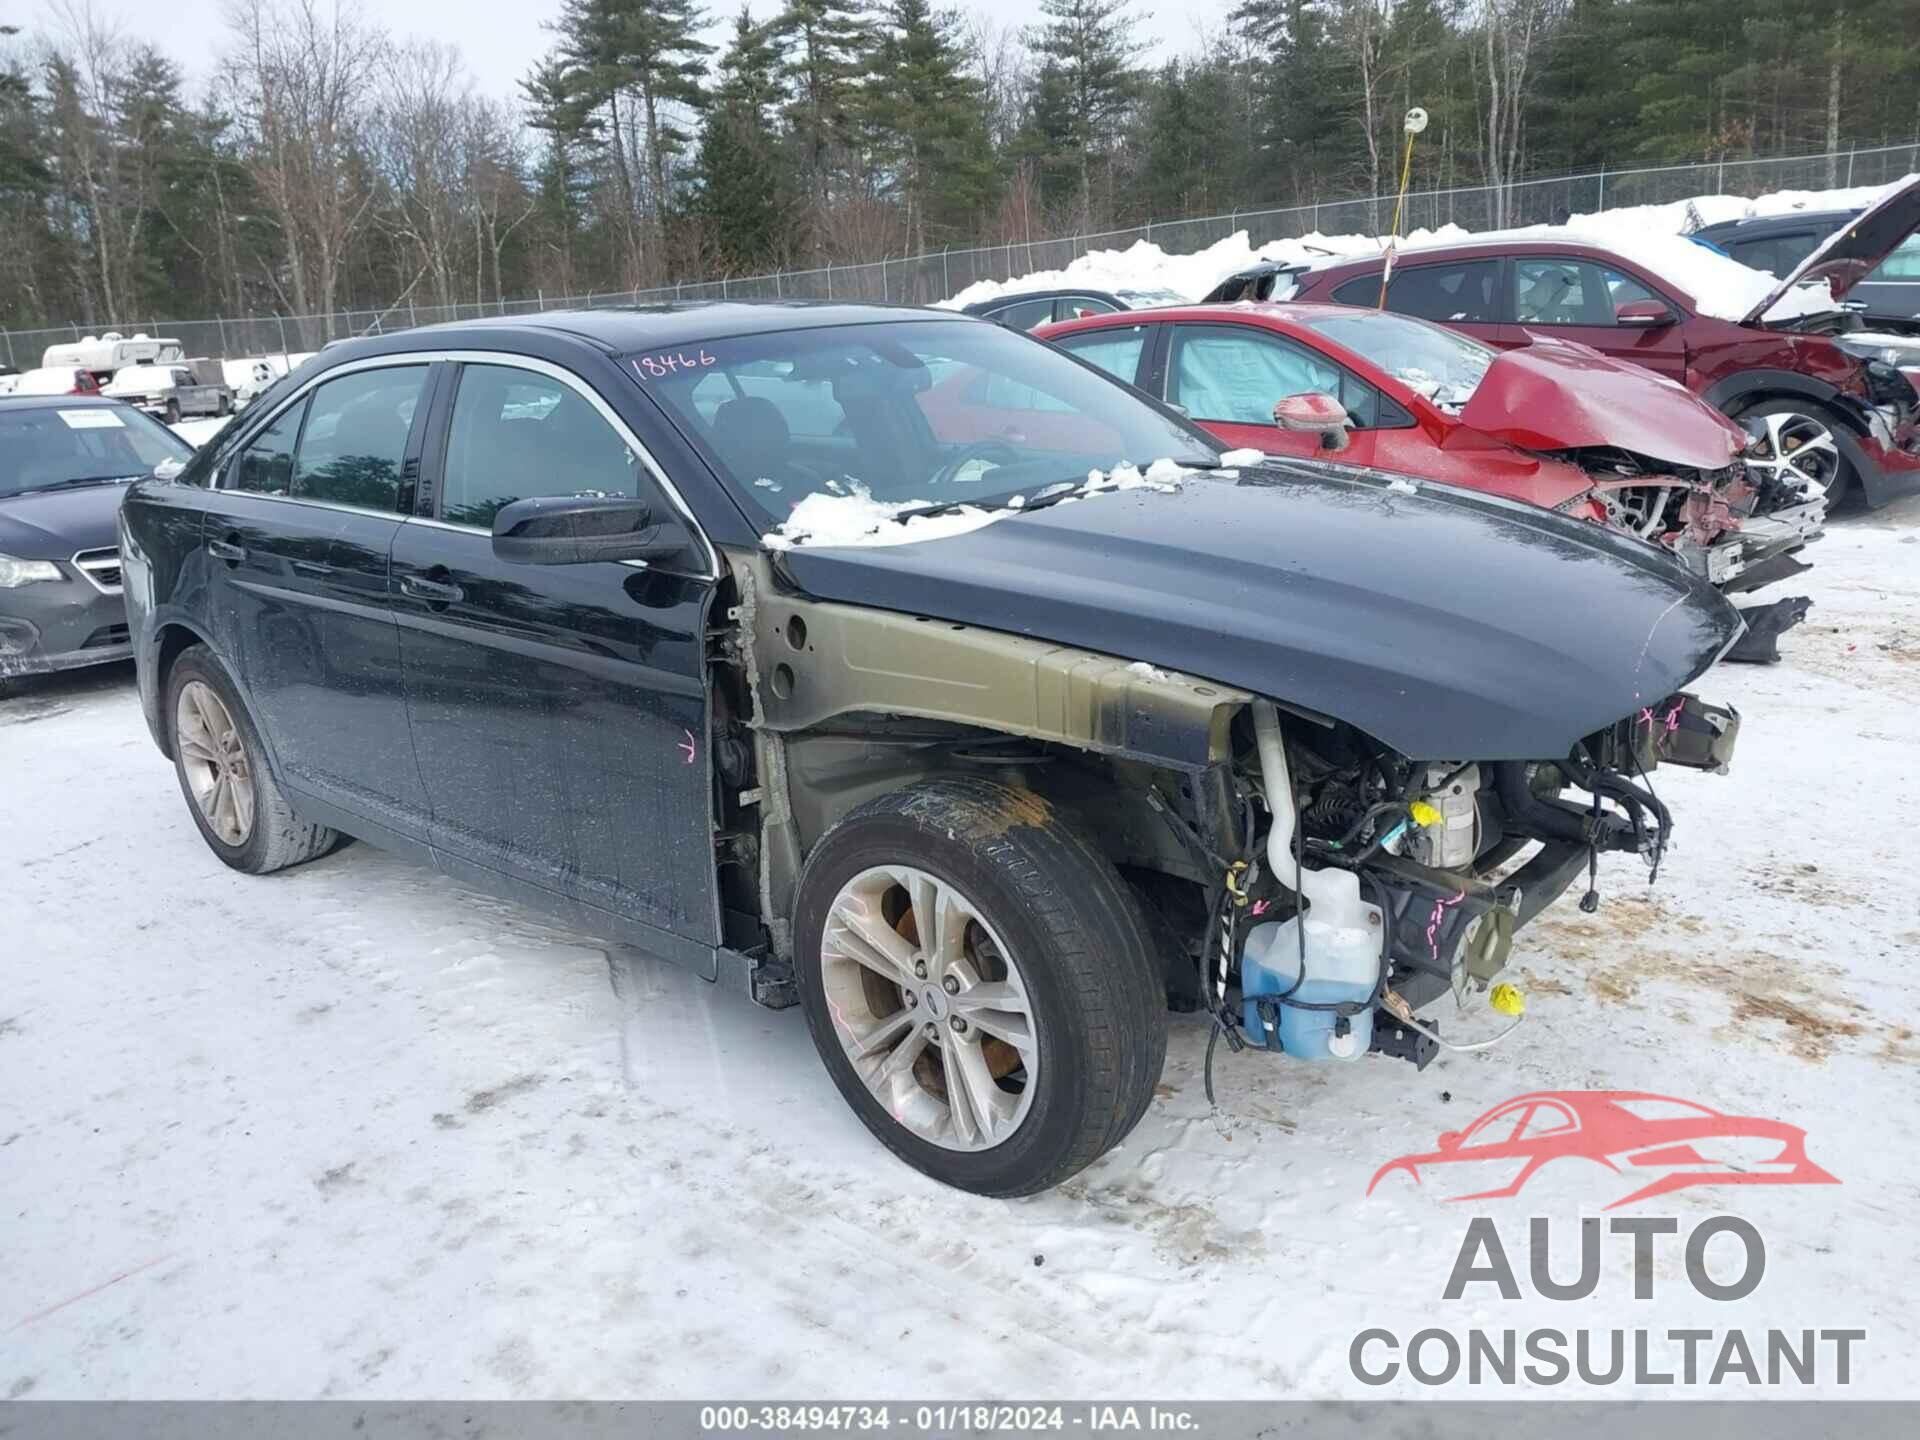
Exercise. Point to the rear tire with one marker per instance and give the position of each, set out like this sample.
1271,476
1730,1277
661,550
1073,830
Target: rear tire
217,755
1042,917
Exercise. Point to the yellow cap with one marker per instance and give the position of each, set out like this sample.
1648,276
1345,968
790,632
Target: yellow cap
1507,1000
1424,814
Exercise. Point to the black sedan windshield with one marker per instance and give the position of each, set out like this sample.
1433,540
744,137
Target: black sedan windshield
918,410
47,446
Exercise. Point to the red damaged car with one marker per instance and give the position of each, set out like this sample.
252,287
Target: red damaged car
1556,424
1762,350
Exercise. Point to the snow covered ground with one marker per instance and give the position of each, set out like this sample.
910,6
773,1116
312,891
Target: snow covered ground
353,1131
1652,234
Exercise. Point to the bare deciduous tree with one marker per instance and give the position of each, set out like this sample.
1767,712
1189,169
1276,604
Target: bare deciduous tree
303,74
1510,32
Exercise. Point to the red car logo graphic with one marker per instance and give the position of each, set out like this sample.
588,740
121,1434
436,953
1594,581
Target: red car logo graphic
1676,1143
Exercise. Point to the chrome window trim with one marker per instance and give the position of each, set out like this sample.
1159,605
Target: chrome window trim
508,359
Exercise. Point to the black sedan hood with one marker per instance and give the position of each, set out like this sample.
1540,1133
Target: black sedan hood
1448,624
54,524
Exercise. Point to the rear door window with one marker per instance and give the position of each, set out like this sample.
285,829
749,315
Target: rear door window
1025,315
1072,307
1902,264
354,443
1115,351
1466,292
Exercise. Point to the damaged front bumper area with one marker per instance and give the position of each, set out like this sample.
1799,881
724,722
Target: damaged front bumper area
1448,880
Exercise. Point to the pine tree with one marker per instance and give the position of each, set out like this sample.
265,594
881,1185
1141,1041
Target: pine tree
1187,161
622,53
740,186
926,122
1306,97
1087,51
828,42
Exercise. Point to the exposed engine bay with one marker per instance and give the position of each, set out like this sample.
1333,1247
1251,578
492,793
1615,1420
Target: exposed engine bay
1701,515
1378,885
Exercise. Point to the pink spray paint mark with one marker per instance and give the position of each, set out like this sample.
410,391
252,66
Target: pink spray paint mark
1440,908
688,746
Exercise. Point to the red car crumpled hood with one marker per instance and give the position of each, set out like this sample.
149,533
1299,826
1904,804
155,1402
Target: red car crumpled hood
1558,395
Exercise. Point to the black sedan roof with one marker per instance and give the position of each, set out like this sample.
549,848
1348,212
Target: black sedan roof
1022,297
1791,222
639,327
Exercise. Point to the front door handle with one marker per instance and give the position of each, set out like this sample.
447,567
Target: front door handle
226,550
434,592
315,568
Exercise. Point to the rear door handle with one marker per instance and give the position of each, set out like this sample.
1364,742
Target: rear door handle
226,550
312,567
435,592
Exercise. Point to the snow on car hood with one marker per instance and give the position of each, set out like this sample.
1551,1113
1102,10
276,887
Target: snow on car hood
1850,254
1558,395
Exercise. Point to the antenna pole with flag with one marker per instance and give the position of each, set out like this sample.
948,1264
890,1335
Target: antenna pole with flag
1416,121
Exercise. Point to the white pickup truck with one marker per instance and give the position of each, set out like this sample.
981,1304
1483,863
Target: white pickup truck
188,387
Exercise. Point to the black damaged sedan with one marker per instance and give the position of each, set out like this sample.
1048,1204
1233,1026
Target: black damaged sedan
65,461
902,667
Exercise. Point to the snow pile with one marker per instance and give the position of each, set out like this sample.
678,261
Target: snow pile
1652,235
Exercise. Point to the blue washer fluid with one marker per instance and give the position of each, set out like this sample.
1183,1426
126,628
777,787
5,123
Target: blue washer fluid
1342,968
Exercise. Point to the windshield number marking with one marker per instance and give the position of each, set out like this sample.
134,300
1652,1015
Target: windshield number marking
658,367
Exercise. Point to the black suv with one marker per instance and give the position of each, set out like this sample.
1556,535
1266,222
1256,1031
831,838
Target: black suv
1889,297
909,668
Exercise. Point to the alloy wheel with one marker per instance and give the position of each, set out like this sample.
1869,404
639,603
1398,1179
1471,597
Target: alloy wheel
1794,449
214,758
930,1007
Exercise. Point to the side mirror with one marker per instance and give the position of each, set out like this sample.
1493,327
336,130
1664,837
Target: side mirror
582,530
1643,315
1315,410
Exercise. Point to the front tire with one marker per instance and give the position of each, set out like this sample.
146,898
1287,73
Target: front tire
242,813
1797,444
1034,998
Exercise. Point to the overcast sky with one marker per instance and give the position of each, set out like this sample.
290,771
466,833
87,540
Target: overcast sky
501,38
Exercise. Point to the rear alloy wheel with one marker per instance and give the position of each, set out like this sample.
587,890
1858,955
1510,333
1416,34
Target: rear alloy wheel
241,812
213,762
1795,445
980,983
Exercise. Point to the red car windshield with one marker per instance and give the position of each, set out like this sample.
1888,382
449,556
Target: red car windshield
1441,364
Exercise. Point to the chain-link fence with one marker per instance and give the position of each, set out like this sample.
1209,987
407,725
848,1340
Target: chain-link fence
923,279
